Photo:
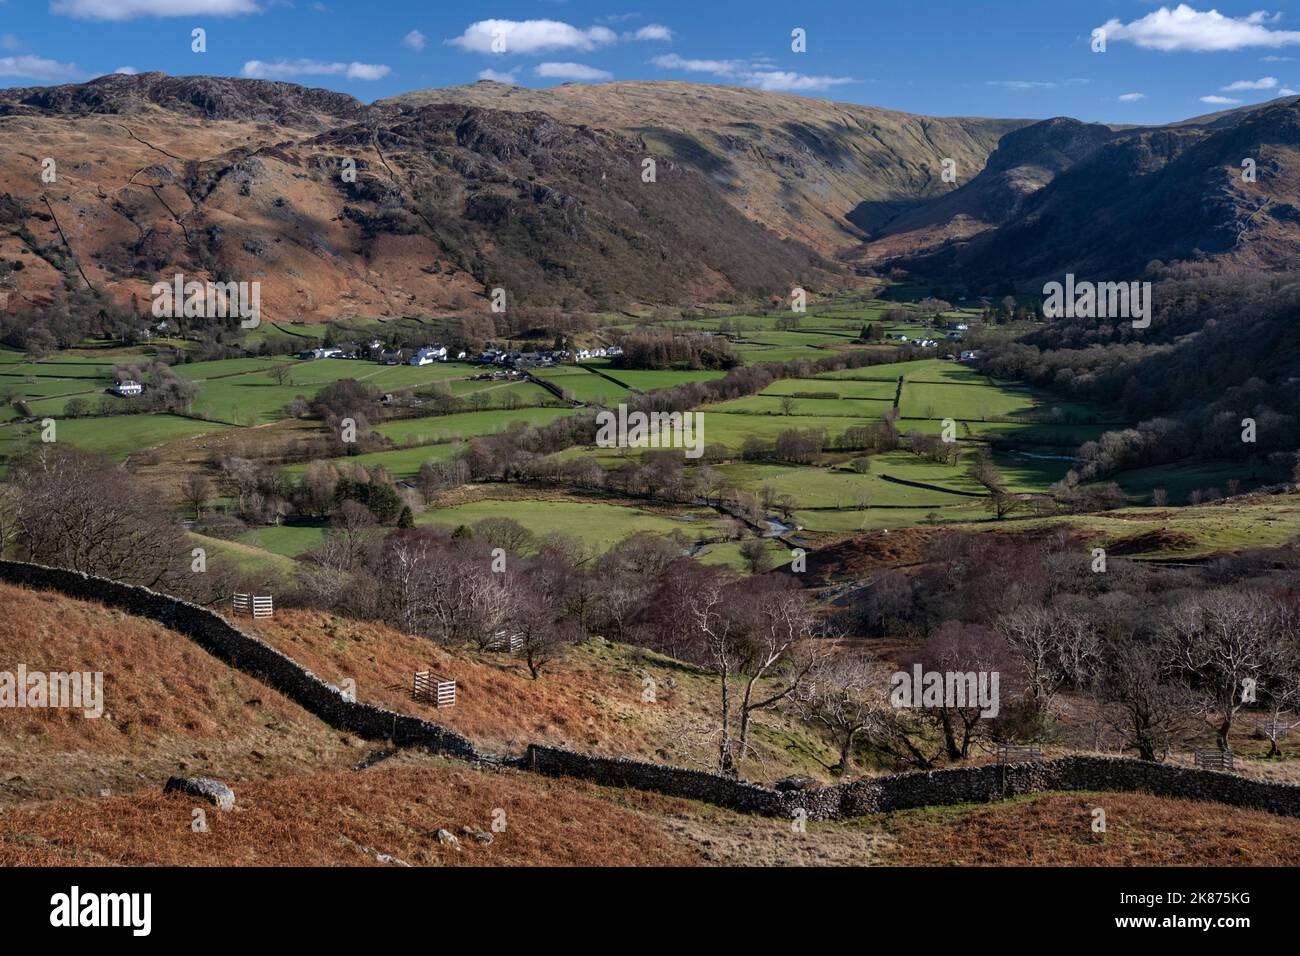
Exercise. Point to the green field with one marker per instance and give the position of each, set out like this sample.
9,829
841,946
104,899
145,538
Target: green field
732,430
401,462
118,436
648,380
584,386
1037,434
244,392
848,389
1186,532
247,558
288,540
442,428
806,407
598,525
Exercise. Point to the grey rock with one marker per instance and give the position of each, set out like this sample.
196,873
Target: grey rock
213,791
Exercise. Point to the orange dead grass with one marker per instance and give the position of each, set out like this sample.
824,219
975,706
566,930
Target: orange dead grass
328,819
590,700
168,706
576,702
1056,830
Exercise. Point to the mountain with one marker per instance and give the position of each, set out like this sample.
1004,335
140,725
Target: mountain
462,190
1026,160
243,179
200,97
822,173
1166,195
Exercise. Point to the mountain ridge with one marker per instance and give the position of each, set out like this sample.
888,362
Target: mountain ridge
541,191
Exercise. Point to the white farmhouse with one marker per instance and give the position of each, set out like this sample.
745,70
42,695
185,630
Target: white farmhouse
429,355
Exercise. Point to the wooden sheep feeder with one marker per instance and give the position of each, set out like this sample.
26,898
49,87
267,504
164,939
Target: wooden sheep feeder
434,689
1213,759
1019,753
255,605
504,641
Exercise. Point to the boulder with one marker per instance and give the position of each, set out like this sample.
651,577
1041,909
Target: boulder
786,784
213,791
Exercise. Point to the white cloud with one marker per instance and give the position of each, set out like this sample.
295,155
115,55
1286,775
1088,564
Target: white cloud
39,69
532,36
1021,85
496,76
130,9
289,69
1277,59
415,40
126,71
784,80
1286,91
746,72
8,42
1186,29
1132,97
1267,83
653,31
1220,100
571,71
727,68
367,71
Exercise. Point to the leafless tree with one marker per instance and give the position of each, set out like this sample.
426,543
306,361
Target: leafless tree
843,693
1141,700
545,634
1219,641
964,648
82,511
197,492
505,533
779,647
756,555
1281,677
720,635
1054,645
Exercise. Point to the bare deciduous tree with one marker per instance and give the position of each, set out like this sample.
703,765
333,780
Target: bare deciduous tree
844,694
1219,641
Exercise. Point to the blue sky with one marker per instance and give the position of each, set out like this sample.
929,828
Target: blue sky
1021,58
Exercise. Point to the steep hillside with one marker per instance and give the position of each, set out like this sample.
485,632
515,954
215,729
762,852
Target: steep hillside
168,708
1025,161
1169,195
242,179
591,700
823,173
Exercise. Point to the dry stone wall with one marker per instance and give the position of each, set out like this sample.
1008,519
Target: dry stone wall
249,654
903,791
